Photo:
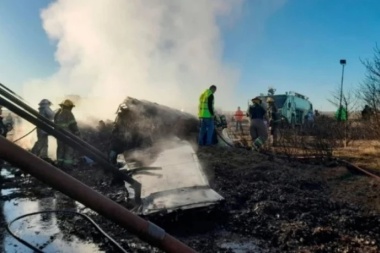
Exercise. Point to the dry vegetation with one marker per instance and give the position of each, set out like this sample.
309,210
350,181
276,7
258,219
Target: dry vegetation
352,140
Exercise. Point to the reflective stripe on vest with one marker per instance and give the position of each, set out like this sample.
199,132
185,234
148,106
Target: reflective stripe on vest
204,111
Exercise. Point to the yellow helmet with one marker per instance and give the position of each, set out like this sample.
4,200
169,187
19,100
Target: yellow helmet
270,100
67,103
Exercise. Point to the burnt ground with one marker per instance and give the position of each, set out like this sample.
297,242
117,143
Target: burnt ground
277,205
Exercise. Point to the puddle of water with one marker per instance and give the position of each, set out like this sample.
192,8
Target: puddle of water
40,230
6,173
6,192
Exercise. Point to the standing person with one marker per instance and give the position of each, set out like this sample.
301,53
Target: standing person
239,118
3,127
40,148
272,116
341,114
367,112
66,120
206,116
3,131
310,119
258,129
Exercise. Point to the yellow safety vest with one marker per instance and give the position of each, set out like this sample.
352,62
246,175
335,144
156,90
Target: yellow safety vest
203,110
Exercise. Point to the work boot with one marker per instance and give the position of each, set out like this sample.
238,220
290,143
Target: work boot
255,148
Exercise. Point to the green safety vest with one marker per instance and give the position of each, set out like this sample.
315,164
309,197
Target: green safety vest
342,112
203,110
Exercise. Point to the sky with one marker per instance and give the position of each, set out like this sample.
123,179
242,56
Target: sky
182,47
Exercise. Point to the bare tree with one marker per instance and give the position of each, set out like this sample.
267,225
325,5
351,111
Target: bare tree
344,131
369,90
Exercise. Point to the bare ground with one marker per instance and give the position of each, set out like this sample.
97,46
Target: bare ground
278,205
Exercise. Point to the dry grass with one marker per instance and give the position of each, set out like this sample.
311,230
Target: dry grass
365,153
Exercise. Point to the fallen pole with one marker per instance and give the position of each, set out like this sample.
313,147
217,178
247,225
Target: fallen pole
75,189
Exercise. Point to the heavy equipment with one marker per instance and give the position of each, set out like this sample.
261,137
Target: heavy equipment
292,107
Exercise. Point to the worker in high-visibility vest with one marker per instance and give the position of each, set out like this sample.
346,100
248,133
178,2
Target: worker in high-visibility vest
239,115
206,116
341,114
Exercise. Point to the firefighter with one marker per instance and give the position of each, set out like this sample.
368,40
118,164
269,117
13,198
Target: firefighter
3,127
206,116
272,116
65,119
40,148
258,129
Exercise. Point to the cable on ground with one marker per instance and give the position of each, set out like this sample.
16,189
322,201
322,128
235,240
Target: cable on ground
93,223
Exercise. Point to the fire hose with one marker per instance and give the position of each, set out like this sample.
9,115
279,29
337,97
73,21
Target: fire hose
35,249
22,137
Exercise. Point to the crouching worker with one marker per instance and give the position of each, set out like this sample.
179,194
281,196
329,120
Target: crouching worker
40,148
258,129
65,119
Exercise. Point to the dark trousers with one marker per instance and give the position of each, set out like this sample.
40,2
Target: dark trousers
206,129
239,125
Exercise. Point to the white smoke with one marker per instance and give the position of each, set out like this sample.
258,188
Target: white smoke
166,51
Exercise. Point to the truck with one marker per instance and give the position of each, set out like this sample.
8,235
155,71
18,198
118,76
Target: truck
292,107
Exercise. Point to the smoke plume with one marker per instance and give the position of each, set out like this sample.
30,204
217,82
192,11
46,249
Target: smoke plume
166,51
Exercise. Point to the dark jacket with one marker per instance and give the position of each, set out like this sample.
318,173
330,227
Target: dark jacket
3,128
66,120
256,111
272,115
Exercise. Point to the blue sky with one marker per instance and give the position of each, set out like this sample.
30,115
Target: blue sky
298,47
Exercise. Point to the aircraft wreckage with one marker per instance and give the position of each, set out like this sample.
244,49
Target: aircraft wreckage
155,146
156,137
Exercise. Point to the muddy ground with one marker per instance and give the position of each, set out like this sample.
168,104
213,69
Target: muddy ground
271,205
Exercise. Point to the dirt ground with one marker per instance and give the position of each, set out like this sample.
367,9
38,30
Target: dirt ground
271,205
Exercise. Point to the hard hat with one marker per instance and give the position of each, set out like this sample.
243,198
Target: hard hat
45,102
256,99
67,103
270,100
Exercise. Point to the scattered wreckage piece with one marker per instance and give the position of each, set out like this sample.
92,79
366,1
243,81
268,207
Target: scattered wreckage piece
178,182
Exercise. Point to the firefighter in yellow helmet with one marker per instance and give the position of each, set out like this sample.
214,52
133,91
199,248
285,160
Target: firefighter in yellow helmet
65,119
